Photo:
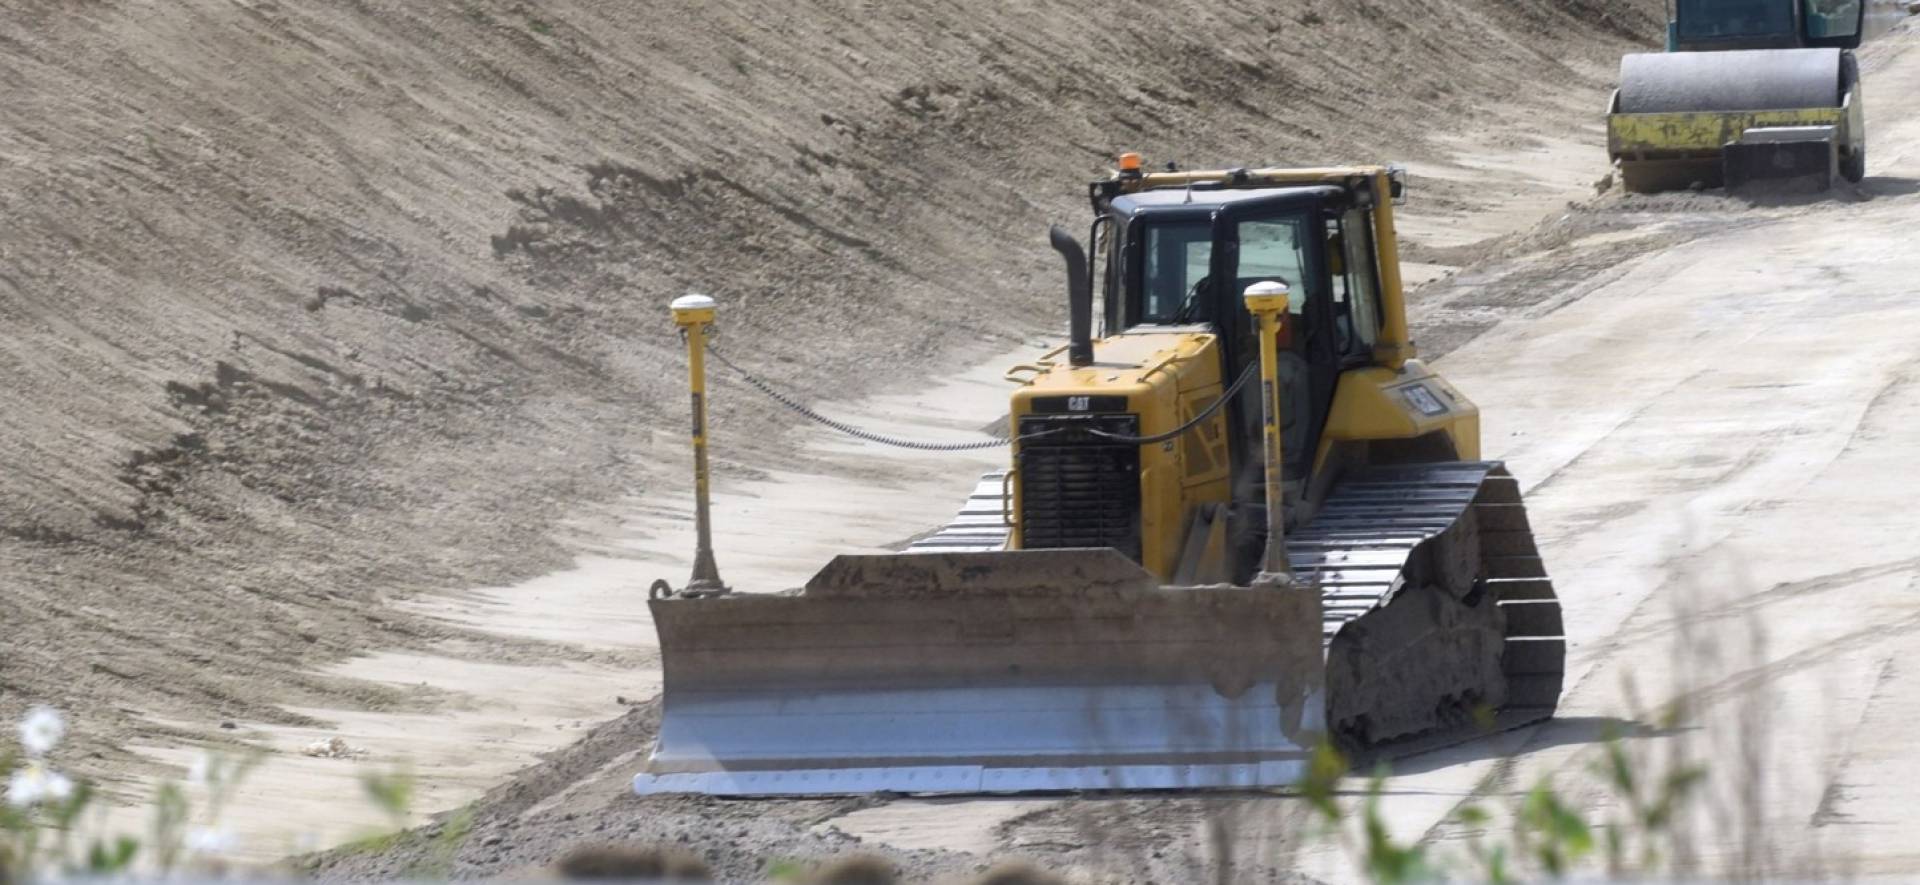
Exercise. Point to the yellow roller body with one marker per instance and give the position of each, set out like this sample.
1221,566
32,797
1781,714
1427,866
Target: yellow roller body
1656,136
1670,122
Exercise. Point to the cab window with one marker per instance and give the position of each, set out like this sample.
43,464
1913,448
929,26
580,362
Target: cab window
1175,264
1274,249
1720,19
1828,19
1356,283
1177,255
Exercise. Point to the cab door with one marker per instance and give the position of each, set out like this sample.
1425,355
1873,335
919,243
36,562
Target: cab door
1287,245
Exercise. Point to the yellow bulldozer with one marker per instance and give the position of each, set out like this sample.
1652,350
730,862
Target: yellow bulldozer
1762,93
1242,523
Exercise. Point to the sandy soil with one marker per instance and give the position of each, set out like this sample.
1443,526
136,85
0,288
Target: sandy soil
321,316
313,309
1704,402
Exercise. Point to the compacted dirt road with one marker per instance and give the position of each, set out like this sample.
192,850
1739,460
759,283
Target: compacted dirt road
1719,451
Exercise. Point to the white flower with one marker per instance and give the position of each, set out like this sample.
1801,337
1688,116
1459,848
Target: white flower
210,841
42,730
200,772
332,748
35,783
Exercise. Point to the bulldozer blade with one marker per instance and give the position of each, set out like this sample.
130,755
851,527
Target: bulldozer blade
987,672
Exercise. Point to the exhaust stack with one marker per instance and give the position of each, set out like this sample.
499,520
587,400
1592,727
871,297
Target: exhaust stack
1079,296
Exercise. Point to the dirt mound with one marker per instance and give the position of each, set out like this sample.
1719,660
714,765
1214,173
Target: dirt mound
313,306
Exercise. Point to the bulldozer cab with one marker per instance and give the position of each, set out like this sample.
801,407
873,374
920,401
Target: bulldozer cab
1182,257
1709,25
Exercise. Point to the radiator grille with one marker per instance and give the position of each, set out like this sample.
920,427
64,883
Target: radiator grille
1078,490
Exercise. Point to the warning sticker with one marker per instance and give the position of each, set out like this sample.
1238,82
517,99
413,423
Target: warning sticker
1423,401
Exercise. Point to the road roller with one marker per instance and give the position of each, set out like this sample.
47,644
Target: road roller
1750,93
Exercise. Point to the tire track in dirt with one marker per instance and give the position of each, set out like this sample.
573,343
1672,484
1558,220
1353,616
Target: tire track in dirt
1849,441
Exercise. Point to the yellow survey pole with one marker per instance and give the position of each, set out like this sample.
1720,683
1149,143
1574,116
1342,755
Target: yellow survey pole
693,314
1267,300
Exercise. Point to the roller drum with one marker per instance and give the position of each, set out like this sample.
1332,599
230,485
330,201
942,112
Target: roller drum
1746,80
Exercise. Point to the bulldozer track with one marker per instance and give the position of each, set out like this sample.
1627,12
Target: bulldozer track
1357,548
980,526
